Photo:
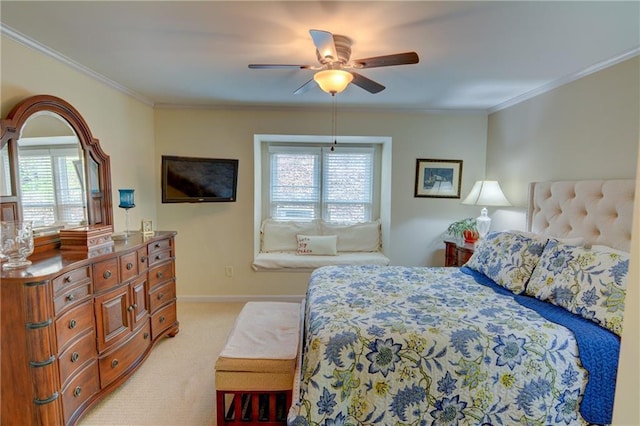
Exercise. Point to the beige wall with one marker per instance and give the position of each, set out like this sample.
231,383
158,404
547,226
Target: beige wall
587,129
123,125
214,235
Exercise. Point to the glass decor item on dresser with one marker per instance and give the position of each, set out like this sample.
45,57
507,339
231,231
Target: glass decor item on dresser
16,238
126,202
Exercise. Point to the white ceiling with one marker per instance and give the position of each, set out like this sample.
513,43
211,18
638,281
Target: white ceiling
474,55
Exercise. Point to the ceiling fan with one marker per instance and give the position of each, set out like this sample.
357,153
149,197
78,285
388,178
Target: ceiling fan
336,68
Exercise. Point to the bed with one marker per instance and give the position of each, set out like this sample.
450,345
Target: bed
527,332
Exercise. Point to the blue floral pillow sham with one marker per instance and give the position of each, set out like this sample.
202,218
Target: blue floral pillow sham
587,282
508,258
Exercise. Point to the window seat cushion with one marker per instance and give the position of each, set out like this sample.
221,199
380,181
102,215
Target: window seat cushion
292,261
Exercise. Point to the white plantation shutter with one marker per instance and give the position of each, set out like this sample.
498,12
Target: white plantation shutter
347,194
295,183
5,172
308,183
48,197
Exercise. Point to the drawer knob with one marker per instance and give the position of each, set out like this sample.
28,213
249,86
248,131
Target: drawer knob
106,274
75,357
158,257
77,391
145,335
72,324
157,245
67,279
130,308
159,274
160,296
129,266
162,318
143,259
70,297
115,363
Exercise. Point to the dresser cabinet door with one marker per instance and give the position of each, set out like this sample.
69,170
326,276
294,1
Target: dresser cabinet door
140,305
113,321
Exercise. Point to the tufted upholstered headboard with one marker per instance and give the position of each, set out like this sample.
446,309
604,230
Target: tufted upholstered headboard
600,211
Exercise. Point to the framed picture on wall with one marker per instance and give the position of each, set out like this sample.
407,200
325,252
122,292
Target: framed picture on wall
438,178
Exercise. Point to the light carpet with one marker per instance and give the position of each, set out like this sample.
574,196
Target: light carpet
175,385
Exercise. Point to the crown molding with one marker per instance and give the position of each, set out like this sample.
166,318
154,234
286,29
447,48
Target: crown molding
33,44
566,79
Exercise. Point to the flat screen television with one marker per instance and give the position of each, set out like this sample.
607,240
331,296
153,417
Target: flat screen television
198,180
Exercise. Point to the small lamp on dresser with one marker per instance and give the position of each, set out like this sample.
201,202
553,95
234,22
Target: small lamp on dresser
486,193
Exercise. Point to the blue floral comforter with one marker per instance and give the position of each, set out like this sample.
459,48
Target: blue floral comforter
416,346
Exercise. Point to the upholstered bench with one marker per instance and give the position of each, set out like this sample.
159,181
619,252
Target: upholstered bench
255,371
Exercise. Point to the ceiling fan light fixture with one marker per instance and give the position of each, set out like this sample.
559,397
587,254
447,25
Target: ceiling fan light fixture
333,81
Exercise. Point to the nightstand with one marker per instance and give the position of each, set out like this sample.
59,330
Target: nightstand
457,255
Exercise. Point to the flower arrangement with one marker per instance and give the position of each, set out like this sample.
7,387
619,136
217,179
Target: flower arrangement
464,229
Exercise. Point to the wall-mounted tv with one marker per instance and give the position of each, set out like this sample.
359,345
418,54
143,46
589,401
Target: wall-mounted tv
198,180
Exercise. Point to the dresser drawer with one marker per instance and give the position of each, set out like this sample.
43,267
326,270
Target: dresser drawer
118,361
105,274
163,319
79,389
76,355
160,245
162,294
158,257
72,296
70,279
128,266
74,323
161,273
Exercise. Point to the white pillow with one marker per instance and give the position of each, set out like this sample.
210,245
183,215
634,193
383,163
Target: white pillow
363,236
323,245
280,236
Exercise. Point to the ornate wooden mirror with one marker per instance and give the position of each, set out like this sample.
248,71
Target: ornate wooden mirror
54,172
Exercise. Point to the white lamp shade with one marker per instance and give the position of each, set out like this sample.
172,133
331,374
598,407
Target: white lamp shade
486,193
333,81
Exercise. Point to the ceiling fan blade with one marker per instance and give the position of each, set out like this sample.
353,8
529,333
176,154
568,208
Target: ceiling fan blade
305,87
406,58
278,66
366,83
325,44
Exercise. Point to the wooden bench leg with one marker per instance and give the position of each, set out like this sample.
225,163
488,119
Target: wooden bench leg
260,408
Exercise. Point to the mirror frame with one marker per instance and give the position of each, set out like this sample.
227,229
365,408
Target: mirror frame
99,204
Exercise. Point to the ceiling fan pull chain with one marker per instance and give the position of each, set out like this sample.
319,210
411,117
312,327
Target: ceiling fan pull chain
334,119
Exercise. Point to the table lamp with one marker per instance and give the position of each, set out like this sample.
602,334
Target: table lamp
485,193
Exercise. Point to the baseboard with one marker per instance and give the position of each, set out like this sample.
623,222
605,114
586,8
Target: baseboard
240,298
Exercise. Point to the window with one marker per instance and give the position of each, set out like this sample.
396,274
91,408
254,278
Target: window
308,183
50,185
334,205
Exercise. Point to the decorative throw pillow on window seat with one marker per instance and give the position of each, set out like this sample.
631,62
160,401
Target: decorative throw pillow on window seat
508,258
363,236
280,235
319,245
588,282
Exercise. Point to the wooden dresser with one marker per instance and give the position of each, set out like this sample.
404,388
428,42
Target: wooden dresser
76,325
